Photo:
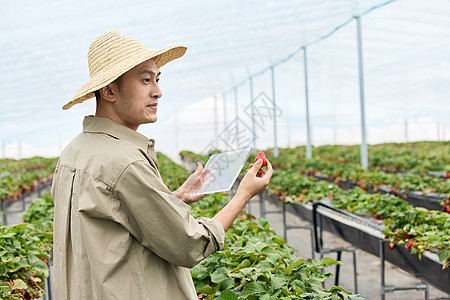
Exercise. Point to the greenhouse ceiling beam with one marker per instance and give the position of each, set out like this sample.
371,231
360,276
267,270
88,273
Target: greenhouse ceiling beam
364,156
308,128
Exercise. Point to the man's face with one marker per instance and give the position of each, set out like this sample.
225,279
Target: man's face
137,97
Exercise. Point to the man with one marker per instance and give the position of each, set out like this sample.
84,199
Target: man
119,233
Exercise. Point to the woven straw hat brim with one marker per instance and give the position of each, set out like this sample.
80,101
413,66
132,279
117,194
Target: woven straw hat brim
112,55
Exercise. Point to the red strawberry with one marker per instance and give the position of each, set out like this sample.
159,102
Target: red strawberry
406,236
391,246
263,157
409,244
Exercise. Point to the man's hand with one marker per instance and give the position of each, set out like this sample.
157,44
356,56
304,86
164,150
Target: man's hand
192,185
255,181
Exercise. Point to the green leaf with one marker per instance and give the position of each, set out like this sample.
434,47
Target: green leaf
19,284
276,283
273,258
444,254
245,271
199,271
244,264
291,267
337,289
328,261
227,295
37,264
278,240
207,290
265,297
253,288
5,289
227,284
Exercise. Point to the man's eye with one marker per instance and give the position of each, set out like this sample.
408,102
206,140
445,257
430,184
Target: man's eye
147,80
157,80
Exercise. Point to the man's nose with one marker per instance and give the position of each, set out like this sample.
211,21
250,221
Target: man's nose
156,91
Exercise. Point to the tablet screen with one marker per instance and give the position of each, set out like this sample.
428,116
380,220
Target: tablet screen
222,169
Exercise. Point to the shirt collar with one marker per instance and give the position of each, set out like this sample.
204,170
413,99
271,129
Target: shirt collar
92,124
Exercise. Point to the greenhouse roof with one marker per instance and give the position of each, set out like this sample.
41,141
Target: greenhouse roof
405,43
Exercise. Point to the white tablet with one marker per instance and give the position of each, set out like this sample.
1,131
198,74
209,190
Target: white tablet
221,171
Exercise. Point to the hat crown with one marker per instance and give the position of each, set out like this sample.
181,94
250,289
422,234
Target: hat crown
108,48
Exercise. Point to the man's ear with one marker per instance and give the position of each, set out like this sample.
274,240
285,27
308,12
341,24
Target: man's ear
108,93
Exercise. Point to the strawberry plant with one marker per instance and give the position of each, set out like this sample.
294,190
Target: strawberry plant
23,263
174,175
427,230
257,264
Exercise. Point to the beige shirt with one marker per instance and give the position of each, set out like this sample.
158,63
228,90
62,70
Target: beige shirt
119,233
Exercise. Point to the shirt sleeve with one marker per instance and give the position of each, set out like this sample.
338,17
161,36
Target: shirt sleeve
160,221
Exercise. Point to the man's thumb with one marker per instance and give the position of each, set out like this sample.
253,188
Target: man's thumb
256,166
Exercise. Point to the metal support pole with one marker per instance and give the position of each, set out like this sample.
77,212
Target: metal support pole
438,132
19,150
334,136
336,276
224,99
236,114
275,147
283,207
406,130
5,215
253,113
288,133
355,279
364,156
382,270
176,132
262,207
308,127
22,196
311,231
216,124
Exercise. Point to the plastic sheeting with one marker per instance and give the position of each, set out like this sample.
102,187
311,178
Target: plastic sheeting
43,46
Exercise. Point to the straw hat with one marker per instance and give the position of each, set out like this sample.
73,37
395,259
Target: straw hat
112,54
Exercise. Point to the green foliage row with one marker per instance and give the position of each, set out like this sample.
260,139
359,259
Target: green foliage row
13,183
421,228
416,156
25,250
257,264
338,172
23,165
174,175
